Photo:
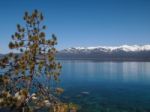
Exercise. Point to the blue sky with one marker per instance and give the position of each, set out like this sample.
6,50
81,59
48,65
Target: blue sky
82,22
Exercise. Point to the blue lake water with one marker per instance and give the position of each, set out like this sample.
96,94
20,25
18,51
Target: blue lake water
106,86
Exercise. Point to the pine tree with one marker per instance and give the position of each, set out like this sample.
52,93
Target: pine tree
21,73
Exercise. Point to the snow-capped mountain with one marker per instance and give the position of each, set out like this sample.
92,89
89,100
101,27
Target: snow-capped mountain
126,48
124,52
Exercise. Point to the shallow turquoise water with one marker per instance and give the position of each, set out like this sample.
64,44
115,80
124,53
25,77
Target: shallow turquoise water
107,86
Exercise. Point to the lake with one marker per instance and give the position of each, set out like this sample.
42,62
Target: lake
106,86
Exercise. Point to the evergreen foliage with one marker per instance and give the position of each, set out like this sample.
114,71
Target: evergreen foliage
20,87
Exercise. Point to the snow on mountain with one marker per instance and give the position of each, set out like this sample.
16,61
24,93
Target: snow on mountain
126,48
111,53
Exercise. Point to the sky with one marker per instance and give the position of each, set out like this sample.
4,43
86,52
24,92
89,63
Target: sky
81,22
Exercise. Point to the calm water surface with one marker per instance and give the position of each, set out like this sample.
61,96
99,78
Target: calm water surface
107,86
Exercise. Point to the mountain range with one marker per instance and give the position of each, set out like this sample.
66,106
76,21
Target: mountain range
108,53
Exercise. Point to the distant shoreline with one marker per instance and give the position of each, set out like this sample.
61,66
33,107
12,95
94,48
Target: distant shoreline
102,59
107,60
